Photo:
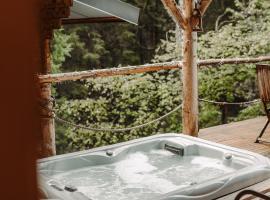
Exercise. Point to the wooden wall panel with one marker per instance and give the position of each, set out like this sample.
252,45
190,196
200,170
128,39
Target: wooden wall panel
19,119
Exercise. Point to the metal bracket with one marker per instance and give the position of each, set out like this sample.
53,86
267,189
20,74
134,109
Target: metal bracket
197,25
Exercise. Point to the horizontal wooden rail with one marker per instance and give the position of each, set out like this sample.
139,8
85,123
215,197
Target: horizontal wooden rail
73,76
223,61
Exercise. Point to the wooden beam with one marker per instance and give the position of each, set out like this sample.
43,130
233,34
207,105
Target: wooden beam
175,12
58,3
58,12
52,13
73,76
92,20
204,5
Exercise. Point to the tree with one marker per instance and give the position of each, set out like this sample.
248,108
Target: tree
61,48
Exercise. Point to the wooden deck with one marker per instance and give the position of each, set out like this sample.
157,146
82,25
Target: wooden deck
240,135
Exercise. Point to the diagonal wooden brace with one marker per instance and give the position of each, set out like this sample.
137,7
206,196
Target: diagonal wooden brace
176,13
204,4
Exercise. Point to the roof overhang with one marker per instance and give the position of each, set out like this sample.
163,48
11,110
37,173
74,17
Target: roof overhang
94,11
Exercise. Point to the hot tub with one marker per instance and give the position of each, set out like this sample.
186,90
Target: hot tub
161,167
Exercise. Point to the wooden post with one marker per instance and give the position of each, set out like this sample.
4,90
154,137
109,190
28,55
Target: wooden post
224,116
193,14
189,19
52,13
46,104
189,74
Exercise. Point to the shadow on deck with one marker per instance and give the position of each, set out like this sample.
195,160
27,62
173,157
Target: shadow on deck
240,135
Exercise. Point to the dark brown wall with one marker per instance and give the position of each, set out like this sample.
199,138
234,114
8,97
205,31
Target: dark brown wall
19,62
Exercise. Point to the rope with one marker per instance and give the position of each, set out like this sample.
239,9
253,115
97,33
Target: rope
72,124
231,103
117,129
46,105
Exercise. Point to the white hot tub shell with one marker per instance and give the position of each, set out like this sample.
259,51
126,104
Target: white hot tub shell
160,167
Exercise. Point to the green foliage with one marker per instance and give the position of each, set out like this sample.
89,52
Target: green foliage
209,115
168,50
250,112
61,48
246,35
121,102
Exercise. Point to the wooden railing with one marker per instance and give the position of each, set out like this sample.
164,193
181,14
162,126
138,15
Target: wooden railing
73,76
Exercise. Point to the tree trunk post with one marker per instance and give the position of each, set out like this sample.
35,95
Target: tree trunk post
46,104
52,13
189,74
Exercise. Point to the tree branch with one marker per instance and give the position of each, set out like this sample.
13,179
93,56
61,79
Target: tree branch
175,13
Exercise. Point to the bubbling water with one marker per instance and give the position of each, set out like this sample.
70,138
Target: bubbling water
143,175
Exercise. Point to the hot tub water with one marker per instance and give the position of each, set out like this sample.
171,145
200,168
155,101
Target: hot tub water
143,175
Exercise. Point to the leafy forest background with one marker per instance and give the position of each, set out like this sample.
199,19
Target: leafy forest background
234,28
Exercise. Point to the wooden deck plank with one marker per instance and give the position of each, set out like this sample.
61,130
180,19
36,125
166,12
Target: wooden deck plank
240,135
